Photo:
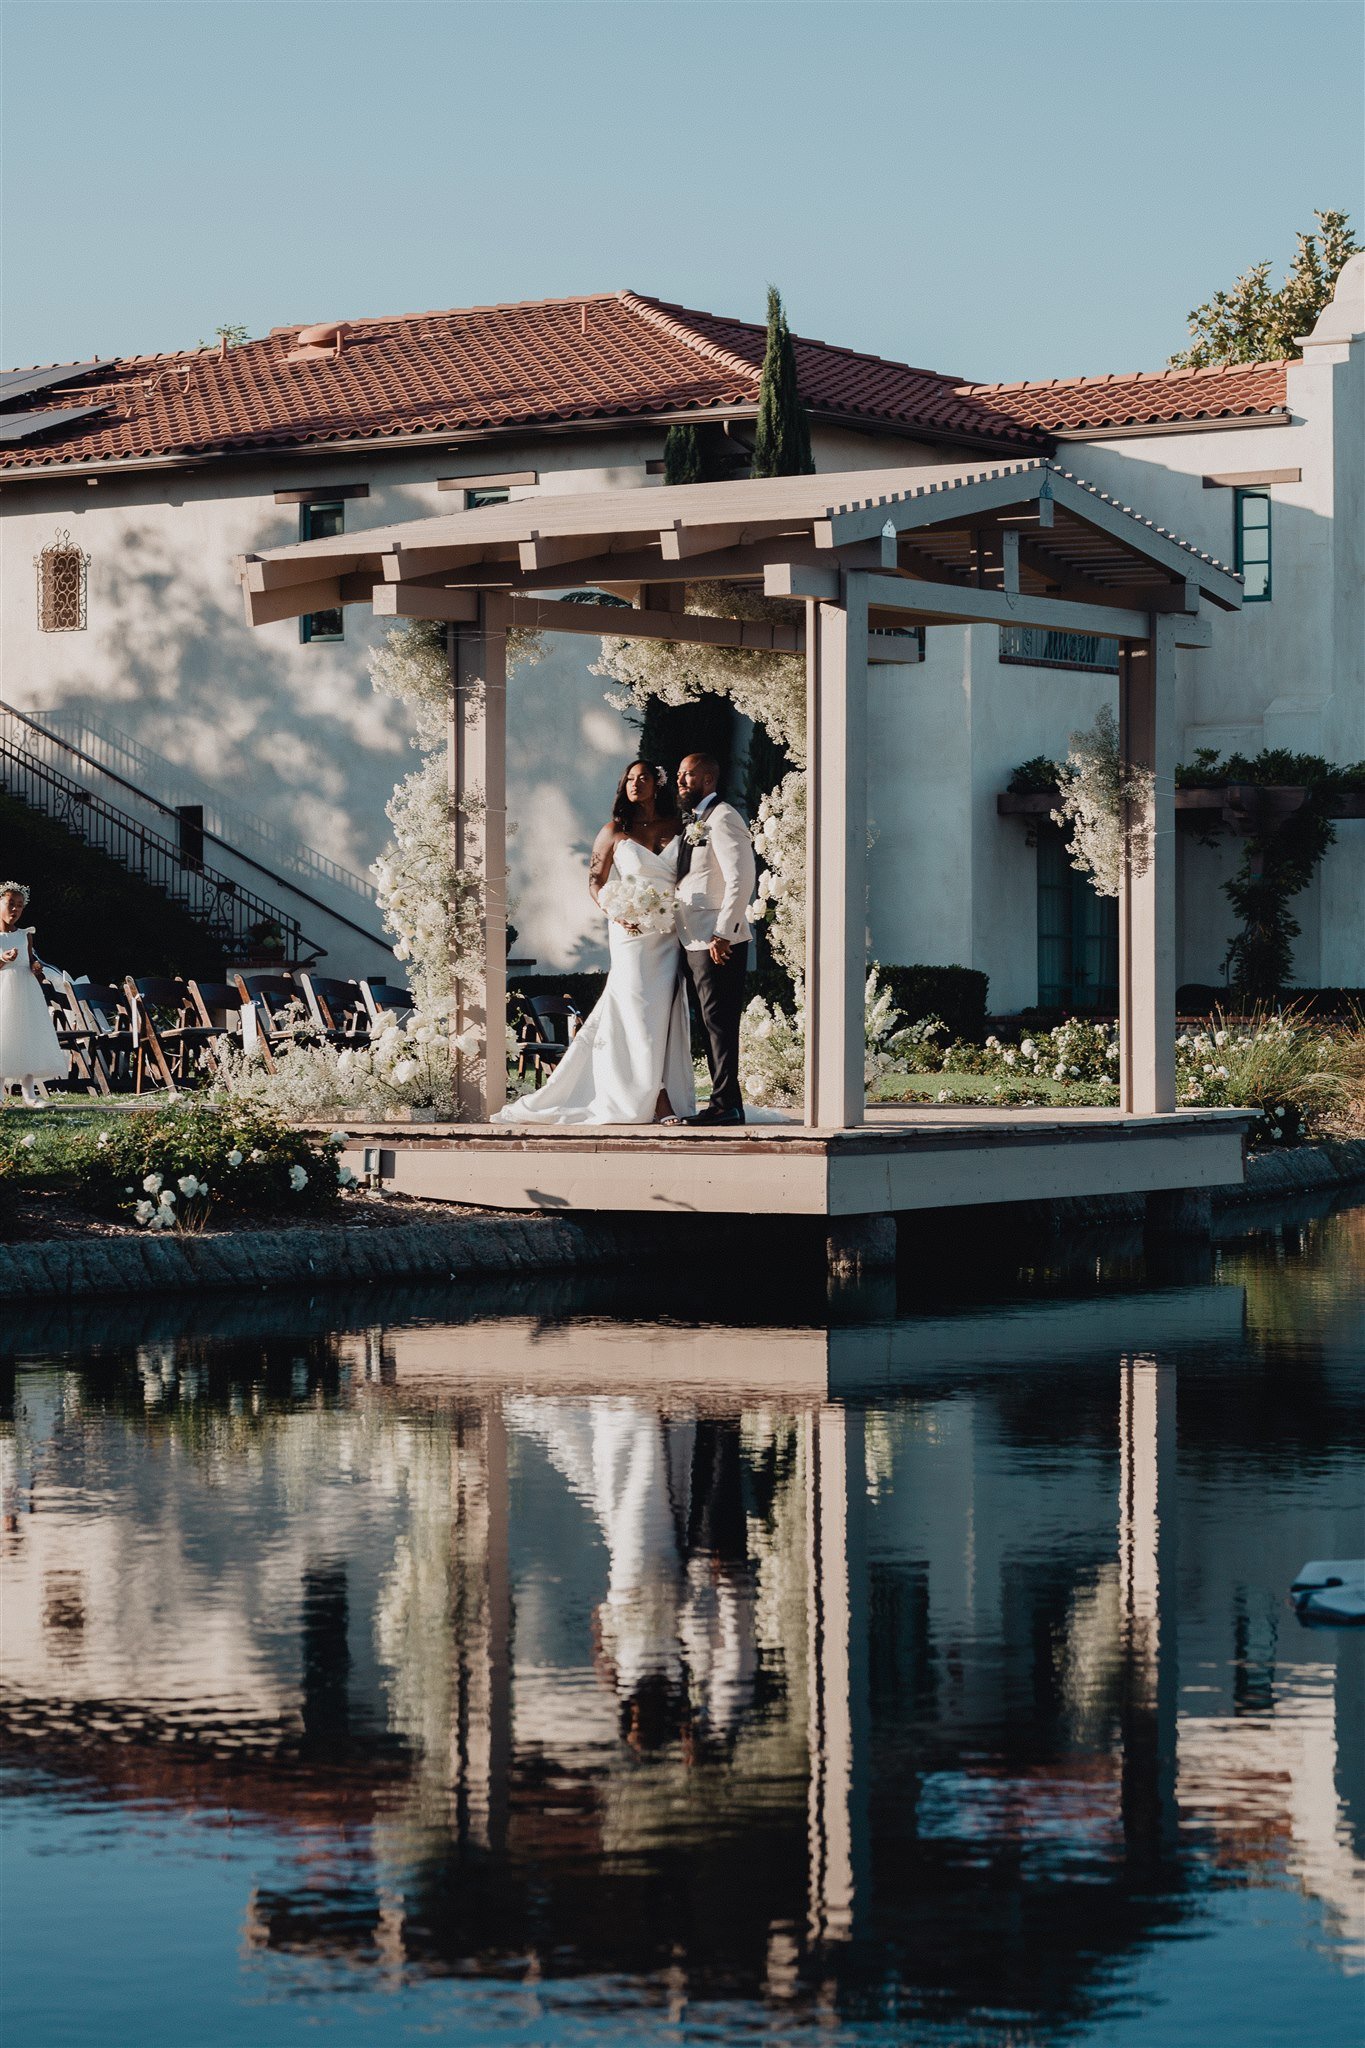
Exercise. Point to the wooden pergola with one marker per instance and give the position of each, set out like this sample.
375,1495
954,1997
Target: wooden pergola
1027,544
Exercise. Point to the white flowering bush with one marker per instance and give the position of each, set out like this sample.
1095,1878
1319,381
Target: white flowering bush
174,1167
1104,801
431,904
768,688
772,1045
406,1066
779,833
1277,1062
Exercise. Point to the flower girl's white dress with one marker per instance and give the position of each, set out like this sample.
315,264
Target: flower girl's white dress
637,1040
29,1048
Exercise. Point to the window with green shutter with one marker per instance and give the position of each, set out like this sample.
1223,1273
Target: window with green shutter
1078,933
1253,544
320,519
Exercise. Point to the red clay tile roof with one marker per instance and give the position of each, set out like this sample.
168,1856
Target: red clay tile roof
1138,398
545,363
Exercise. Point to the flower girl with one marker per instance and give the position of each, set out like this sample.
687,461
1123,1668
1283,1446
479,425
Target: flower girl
29,1050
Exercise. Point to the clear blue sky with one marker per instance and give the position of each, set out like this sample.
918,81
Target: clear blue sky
1041,187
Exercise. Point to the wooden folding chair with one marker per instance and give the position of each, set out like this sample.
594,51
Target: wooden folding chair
279,1006
79,1038
219,1007
173,1024
337,1008
386,1003
104,1011
546,1027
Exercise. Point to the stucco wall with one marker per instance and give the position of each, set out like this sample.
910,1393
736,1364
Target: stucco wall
297,734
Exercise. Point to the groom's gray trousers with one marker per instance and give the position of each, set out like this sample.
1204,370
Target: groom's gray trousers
718,993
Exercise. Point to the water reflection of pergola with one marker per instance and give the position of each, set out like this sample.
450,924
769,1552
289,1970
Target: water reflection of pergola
1026,545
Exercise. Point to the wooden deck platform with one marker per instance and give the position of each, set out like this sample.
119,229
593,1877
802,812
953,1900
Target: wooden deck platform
900,1159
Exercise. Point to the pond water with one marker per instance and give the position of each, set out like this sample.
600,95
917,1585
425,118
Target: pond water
551,1666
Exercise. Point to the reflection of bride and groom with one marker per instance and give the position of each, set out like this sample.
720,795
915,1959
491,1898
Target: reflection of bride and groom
676,1635
631,1061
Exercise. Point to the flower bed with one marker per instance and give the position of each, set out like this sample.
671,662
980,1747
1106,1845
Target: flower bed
172,1168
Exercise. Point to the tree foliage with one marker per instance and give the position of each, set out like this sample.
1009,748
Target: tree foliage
1256,322
782,436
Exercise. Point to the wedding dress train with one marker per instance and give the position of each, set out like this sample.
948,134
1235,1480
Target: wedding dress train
638,1040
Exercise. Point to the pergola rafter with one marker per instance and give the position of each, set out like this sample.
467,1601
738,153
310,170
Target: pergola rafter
1026,544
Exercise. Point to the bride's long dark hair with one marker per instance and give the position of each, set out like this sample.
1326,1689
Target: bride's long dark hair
665,802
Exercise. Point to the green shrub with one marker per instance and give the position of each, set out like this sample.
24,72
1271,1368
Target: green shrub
955,995
242,1163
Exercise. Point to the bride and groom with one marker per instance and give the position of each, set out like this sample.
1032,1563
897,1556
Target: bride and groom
631,1062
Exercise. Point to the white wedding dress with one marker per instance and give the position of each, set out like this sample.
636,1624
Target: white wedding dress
637,1040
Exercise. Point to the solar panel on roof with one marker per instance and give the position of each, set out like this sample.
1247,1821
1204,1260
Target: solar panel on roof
24,383
27,426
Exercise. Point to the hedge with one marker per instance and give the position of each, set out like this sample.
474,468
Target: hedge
1198,998
956,994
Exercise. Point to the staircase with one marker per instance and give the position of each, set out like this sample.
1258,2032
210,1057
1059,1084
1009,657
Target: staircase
246,925
124,760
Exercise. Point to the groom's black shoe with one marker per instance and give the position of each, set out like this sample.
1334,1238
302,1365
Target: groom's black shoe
708,1115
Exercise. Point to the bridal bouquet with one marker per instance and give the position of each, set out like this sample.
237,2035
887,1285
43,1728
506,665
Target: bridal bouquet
628,899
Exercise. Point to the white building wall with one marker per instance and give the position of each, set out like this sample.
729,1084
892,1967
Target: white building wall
296,732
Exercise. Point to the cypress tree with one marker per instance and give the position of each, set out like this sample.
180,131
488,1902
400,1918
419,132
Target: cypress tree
782,439
682,456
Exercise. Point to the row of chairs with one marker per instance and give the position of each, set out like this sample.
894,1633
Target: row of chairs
161,1032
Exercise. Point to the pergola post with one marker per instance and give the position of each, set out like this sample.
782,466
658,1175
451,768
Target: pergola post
478,824
1147,896
836,856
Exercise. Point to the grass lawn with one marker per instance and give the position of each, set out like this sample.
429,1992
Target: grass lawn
57,1129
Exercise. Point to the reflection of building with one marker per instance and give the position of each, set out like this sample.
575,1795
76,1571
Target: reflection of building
694,1680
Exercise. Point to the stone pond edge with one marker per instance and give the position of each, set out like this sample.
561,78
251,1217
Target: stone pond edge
466,1246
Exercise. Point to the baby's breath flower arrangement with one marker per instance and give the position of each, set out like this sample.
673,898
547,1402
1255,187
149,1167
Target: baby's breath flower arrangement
772,1044
1105,801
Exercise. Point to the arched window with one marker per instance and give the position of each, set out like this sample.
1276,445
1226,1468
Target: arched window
61,586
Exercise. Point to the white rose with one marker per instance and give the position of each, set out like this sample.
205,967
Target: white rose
152,1183
403,1072
188,1185
234,1158
145,1211
298,1179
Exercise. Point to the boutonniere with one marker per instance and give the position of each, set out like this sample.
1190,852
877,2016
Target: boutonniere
696,833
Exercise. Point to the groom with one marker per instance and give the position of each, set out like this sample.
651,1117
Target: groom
716,878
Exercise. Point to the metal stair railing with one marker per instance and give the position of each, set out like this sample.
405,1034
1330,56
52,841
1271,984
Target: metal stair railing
236,917
21,734
118,754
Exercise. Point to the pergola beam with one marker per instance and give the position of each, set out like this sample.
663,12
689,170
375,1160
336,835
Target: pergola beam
559,615
679,543
969,606
421,601
297,600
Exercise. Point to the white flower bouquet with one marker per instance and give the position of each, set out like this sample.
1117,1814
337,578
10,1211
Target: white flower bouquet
630,900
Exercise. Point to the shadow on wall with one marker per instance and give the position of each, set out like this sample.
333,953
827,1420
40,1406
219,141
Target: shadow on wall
293,732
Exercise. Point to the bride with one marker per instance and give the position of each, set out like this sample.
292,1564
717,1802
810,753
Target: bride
631,1062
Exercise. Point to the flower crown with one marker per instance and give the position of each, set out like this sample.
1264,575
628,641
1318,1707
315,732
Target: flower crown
14,889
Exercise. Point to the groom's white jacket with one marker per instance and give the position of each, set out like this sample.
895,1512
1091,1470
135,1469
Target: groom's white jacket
718,887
